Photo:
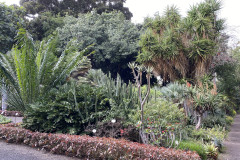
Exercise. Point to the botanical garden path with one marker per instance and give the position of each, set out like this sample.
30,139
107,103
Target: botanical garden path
16,119
232,143
9,151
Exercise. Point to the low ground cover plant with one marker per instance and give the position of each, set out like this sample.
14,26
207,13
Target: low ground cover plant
91,147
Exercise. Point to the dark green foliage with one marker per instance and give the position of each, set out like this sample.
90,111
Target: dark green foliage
193,146
44,25
31,70
68,109
114,130
115,40
123,97
227,69
74,7
10,18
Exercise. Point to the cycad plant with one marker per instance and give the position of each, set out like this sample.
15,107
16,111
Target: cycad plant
30,70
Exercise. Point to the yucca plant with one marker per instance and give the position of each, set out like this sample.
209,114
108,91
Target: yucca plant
179,47
31,70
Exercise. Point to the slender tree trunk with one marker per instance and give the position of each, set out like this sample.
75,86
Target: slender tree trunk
199,121
4,97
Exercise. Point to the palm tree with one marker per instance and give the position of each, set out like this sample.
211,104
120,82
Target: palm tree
31,70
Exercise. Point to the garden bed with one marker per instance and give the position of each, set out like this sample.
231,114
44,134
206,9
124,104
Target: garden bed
90,147
11,113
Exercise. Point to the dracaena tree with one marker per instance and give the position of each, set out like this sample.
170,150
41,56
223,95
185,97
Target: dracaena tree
30,70
179,47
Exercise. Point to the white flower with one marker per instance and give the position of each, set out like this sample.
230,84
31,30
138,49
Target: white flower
16,114
113,120
139,122
94,130
176,142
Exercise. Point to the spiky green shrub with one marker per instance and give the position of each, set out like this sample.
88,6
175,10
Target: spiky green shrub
31,70
122,96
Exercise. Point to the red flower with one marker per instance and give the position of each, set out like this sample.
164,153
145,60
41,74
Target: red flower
188,84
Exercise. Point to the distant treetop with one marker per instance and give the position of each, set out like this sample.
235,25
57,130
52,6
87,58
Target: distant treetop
74,7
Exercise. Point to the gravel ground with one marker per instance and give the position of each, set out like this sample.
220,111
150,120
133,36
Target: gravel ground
9,151
232,143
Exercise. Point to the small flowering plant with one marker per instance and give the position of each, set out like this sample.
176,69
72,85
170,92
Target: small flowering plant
161,133
163,125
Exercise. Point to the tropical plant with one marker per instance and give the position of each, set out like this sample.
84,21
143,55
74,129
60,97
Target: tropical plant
182,47
122,96
212,151
31,70
69,108
163,123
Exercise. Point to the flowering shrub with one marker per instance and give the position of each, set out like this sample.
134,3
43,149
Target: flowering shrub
91,147
11,113
164,123
114,130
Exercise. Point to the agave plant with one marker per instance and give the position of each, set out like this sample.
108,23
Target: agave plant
31,70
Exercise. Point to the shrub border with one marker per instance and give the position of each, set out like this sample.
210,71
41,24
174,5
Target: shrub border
90,147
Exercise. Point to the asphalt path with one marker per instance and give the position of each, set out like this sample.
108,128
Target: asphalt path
232,142
9,151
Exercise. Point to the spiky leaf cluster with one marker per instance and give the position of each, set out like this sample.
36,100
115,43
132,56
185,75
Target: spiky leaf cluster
182,47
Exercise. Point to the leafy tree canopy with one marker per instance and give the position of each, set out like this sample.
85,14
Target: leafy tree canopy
10,17
115,39
74,7
44,25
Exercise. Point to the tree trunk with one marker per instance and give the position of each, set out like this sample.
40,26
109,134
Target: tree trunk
4,98
199,122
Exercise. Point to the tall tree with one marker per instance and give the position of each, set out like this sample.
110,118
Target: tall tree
44,25
10,17
74,7
115,40
179,47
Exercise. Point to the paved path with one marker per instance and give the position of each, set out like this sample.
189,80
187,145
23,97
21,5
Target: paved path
9,151
232,143
16,119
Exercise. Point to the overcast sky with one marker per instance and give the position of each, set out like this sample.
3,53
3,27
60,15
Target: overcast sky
143,8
